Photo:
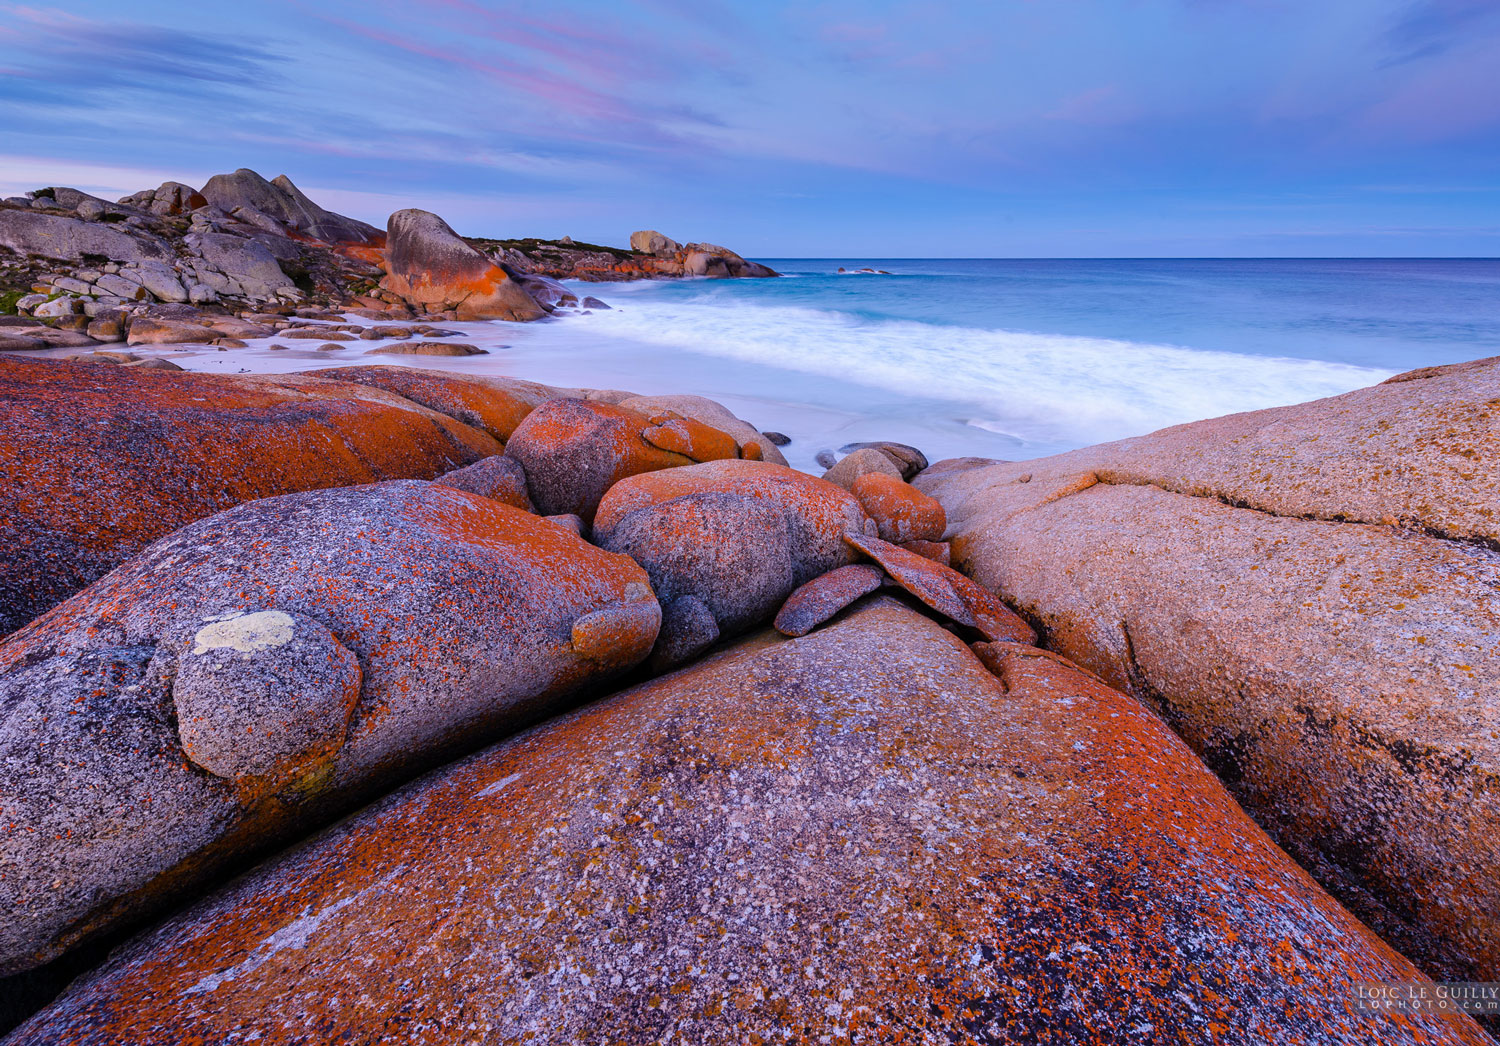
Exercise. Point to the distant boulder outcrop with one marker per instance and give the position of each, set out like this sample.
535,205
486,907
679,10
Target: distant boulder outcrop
649,241
278,205
695,259
431,267
168,199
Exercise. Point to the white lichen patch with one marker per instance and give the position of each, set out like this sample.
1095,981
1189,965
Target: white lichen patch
246,633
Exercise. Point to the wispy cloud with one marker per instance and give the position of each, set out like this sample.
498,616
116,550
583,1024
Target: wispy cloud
839,118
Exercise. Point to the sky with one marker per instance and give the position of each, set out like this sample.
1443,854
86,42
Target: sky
1007,128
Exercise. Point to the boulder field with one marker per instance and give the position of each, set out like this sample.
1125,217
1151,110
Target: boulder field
114,458
257,671
861,835
892,816
1308,596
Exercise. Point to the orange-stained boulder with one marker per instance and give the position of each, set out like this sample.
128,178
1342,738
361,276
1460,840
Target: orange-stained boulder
1308,595
738,536
432,268
573,450
491,403
95,466
496,476
824,596
260,671
902,512
946,591
860,463
859,836
754,446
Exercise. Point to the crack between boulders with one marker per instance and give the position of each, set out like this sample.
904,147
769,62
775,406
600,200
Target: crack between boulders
1404,527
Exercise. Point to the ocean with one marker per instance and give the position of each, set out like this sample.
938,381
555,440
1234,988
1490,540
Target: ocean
997,358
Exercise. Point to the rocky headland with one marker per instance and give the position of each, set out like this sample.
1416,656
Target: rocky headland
177,264
398,705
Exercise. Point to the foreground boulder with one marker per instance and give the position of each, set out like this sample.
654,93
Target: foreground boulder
1307,594
574,450
490,403
753,444
257,672
734,538
96,463
861,836
432,268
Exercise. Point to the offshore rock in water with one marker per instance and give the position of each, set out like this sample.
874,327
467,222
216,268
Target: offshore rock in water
258,673
862,835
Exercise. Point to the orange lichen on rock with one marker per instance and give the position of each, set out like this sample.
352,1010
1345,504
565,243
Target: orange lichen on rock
859,836
937,551
946,591
573,450
901,511
431,267
497,477
492,404
753,445
824,596
259,672
671,431
736,536
1339,675
96,463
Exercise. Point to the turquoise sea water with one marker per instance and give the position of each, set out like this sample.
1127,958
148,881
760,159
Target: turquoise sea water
1009,359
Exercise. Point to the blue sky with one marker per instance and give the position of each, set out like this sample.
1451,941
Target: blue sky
1008,128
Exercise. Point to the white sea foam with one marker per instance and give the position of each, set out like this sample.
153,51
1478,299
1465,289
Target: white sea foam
1038,388
828,378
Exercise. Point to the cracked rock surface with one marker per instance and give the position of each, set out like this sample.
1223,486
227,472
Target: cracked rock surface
1308,595
862,835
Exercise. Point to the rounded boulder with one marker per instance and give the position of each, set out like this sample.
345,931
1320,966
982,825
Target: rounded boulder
574,450
316,648
260,694
738,536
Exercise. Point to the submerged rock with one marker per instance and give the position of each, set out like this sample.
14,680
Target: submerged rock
862,835
427,348
97,463
1307,594
258,672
